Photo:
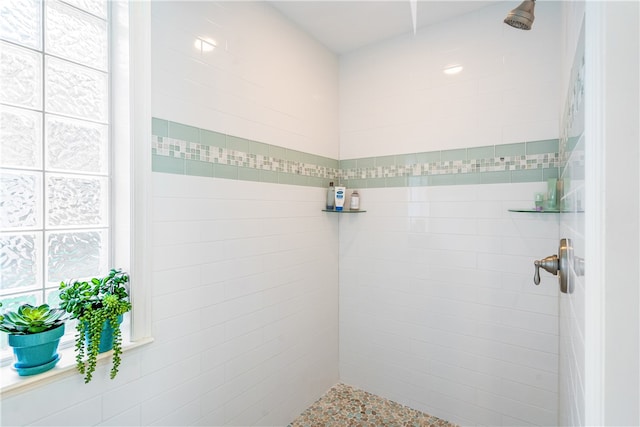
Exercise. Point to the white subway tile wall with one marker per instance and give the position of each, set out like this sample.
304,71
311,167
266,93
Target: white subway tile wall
438,309
437,305
261,288
266,80
394,97
245,318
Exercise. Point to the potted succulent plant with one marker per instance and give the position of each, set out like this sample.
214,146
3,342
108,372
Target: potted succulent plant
98,305
34,334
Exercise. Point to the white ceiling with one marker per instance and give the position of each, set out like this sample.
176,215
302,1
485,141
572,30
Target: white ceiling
346,25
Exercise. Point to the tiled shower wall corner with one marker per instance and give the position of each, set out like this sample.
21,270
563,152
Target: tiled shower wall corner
572,167
187,150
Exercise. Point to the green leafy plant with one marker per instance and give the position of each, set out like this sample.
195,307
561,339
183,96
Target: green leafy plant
31,320
93,303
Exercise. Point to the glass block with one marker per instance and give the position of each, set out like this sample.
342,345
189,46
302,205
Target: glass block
75,35
20,200
76,145
52,296
11,303
73,200
20,260
95,7
74,90
21,22
76,255
20,76
20,138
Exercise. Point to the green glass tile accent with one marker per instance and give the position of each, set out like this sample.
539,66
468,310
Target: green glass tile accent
269,176
286,178
213,139
468,178
237,144
386,161
210,144
432,157
348,164
550,173
367,162
448,179
526,175
315,181
277,152
258,148
572,143
376,183
183,132
312,159
329,163
357,183
198,168
225,171
406,159
495,177
451,155
481,152
309,158
294,155
300,180
418,181
167,164
248,174
543,147
504,150
396,181
159,127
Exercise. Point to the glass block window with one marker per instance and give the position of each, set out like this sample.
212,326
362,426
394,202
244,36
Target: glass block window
54,146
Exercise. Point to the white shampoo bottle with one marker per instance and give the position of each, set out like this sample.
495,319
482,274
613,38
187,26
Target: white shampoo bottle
340,194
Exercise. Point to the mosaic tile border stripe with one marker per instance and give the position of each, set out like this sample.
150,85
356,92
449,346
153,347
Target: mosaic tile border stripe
187,150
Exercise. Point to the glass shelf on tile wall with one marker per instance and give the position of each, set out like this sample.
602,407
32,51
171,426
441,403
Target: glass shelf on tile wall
544,211
344,211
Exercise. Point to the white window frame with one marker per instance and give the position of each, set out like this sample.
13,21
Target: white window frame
131,118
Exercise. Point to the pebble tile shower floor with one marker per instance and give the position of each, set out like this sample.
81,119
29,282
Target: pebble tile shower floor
344,405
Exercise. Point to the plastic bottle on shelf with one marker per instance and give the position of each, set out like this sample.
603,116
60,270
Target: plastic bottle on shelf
331,196
341,192
354,204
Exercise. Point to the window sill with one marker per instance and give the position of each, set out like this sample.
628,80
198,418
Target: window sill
12,383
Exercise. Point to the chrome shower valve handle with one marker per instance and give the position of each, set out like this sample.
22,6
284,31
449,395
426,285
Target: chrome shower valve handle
549,263
564,265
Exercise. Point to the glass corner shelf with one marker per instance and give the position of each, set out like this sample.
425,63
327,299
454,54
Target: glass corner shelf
345,211
544,211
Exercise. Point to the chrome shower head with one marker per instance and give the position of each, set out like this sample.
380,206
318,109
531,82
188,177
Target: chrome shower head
522,16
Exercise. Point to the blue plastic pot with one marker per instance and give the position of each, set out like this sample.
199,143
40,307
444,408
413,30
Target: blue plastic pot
106,336
36,353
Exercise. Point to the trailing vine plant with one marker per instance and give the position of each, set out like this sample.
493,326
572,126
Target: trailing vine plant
94,303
